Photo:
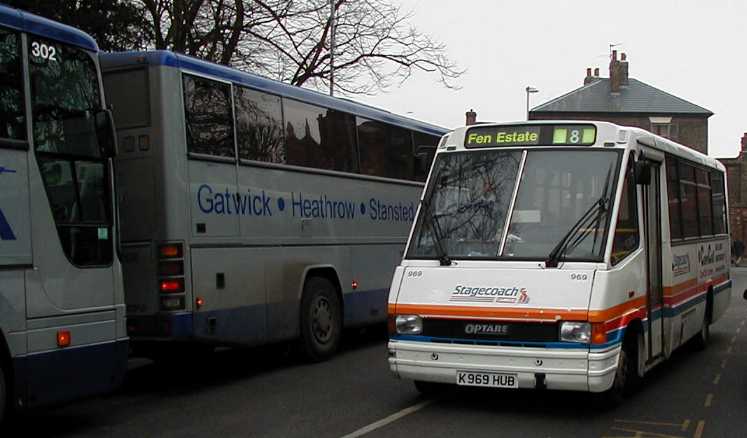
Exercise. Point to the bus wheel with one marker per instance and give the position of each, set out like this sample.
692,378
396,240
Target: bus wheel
627,375
700,342
321,319
3,396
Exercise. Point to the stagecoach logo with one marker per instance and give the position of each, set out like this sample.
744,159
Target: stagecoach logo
706,256
6,232
680,264
477,294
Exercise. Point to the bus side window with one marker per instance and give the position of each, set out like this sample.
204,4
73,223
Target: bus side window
259,126
12,119
626,237
385,150
207,108
719,218
673,196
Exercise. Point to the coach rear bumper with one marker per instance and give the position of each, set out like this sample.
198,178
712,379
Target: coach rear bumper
574,369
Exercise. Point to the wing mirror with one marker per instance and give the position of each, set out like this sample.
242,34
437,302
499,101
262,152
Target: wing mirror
642,173
106,133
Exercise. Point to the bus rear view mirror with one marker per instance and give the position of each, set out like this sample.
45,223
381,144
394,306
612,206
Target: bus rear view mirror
642,173
744,294
105,132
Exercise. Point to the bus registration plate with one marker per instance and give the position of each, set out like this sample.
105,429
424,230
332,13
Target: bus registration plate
492,380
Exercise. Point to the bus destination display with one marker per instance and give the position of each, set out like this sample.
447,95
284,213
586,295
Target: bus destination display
530,135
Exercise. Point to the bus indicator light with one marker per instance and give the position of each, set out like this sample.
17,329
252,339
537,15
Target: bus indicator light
598,334
199,302
354,285
172,251
63,338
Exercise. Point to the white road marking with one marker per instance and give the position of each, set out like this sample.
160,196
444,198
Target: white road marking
388,420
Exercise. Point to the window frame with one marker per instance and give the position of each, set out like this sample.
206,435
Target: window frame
15,143
709,171
72,159
633,192
232,106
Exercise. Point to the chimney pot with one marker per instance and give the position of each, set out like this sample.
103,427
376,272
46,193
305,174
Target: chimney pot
623,57
588,71
471,117
614,55
596,72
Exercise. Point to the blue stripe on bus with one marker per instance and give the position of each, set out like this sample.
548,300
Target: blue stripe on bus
34,24
170,59
69,373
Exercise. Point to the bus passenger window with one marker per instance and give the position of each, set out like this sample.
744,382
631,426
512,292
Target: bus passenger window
718,201
626,237
318,137
688,200
704,202
207,112
673,195
12,118
259,126
385,150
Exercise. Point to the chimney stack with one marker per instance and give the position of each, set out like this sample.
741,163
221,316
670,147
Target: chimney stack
471,116
618,71
589,78
744,142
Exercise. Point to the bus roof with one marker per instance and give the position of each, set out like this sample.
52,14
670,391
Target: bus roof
34,24
171,59
610,132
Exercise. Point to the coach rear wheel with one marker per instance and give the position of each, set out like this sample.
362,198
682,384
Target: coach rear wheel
321,319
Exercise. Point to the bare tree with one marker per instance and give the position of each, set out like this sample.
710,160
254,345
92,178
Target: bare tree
289,40
374,45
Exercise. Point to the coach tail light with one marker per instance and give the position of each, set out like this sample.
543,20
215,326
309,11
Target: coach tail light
409,324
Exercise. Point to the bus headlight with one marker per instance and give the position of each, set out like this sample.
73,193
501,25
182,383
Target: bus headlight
409,324
575,331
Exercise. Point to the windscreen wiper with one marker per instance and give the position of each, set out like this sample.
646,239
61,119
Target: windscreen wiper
443,258
590,216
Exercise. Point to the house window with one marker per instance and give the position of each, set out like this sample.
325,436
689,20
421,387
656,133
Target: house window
664,127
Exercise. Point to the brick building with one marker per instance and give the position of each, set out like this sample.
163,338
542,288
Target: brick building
736,181
627,101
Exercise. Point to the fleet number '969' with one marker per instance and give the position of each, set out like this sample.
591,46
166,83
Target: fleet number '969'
579,277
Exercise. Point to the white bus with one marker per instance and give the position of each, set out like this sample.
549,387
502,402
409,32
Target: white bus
254,211
560,255
62,312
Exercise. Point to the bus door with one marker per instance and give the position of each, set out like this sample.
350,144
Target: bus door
652,232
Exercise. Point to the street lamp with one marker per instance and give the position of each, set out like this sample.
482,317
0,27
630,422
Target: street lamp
529,91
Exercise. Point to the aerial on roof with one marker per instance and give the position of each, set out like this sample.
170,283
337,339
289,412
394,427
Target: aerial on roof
34,24
635,97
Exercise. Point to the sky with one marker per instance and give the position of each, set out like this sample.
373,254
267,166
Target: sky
696,50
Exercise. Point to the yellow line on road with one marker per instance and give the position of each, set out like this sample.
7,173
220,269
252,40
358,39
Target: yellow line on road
699,429
708,400
717,379
651,423
685,425
642,433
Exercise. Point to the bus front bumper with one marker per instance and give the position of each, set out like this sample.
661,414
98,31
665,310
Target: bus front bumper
556,368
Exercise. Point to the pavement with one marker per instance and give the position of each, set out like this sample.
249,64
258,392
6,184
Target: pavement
266,392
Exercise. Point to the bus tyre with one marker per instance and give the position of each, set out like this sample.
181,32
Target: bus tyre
627,377
321,319
700,342
3,396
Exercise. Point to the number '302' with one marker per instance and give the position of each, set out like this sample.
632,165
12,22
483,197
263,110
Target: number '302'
43,51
